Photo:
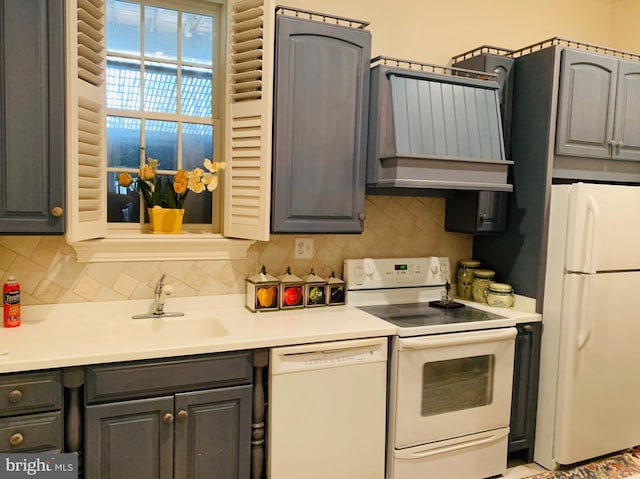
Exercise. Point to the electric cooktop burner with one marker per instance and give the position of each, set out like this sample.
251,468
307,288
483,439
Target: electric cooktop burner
413,315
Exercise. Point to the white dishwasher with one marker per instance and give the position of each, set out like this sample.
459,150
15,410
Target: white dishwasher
327,410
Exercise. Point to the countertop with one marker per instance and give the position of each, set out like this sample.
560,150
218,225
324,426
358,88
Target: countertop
67,335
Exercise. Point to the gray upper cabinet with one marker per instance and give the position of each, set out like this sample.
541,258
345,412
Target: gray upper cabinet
320,124
599,107
31,116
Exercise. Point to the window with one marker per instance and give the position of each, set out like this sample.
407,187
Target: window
161,88
157,96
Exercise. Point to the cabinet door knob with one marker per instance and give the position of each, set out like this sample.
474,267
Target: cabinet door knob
182,415
528,328
16,439
362,216
15,396
167,418
57,211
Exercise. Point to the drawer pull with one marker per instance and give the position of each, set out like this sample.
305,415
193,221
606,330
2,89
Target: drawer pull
182,415
16,439
15,396
167,418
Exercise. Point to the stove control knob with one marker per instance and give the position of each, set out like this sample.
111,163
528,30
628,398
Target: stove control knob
368,269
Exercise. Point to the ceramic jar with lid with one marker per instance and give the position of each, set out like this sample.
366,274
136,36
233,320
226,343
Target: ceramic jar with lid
314,290
500,295
291,291
482,278
465,277
262,292
336,290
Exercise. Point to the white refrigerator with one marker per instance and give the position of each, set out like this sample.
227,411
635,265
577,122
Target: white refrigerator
589,390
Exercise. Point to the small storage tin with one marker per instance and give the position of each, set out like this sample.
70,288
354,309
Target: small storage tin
291,291
482,278
314,290
336,291
262,292
500,295
465,277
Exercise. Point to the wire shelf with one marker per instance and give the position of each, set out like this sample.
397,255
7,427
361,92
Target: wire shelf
430,68
324,17
550,42
480,51
574,44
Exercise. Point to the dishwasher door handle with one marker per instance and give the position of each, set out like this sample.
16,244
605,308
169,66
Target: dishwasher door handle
306,357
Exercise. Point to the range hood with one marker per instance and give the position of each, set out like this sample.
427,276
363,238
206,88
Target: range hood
431,128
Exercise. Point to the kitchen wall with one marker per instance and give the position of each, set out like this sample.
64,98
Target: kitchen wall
625,15
427,31
395,226
432,31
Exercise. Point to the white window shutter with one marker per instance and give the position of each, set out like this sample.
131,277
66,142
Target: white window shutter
248,118
85,119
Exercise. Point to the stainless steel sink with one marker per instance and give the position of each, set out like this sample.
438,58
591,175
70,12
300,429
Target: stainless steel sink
164,330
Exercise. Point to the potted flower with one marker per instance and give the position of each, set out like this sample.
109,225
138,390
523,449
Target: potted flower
164,200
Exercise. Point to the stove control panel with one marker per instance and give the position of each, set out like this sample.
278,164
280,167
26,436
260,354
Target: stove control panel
376,273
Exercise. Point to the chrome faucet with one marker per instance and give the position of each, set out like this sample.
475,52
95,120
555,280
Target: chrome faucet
160,294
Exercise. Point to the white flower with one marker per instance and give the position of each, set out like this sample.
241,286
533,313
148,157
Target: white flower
214,166
194,183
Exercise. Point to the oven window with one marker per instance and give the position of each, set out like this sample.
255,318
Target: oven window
457,384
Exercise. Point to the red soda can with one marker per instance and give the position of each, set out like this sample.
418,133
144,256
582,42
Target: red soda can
11,300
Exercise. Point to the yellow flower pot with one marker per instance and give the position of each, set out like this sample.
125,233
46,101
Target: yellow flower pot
165,220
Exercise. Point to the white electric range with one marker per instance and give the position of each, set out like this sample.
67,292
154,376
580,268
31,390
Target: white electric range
450,370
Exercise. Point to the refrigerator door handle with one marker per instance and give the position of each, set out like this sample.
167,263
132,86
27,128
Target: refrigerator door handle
591,246
584,323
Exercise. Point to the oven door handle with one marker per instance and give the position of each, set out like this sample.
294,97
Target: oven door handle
412,454
457,339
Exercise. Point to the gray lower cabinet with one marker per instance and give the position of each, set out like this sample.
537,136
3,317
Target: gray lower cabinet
31,412
184,418
599,107
320,125
525,391
32,156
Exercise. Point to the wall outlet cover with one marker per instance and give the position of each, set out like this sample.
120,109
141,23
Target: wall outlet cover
303,248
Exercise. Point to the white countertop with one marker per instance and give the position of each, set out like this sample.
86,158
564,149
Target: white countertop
89,333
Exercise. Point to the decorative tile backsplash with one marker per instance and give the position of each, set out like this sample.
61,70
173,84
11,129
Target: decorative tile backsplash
395,226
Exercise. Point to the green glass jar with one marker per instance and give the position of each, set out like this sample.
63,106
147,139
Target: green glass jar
465,277
482,278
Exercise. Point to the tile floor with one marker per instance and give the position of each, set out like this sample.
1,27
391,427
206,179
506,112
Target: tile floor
518,470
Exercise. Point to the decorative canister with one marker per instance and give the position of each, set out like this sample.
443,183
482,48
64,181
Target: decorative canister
314,290
336,290
465,277
291,291
262,292
500,295
482,278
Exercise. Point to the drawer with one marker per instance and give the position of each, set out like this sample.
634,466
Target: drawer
168,376
31,433
30,392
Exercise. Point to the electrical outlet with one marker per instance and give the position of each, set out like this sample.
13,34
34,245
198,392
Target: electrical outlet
303,248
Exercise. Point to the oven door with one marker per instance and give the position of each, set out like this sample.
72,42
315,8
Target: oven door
451,385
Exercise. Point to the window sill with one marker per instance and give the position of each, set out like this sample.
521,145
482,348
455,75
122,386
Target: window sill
178,247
